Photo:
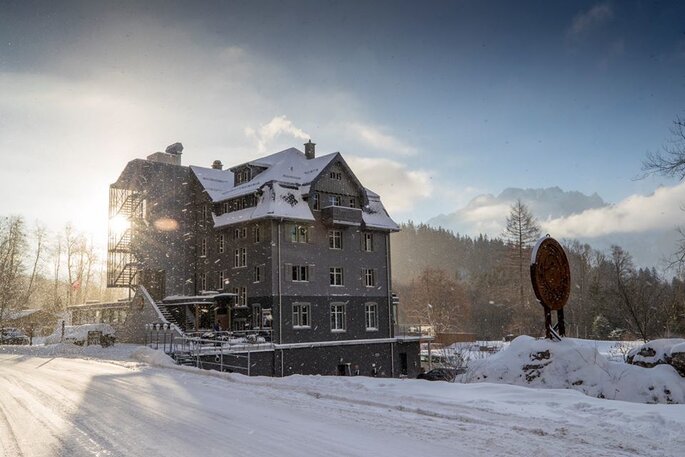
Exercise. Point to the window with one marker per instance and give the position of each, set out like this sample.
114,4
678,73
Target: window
256,234
315,201
336,274
267,318
241,299
240,233
299,234
221,280
353,202
334,200
203,281
221,244
203,247
225,207
204,212
338,317
301,315
242,176
335,239
371,316
256,315
240,258
369,277
335,175
258,273
368,242
300,273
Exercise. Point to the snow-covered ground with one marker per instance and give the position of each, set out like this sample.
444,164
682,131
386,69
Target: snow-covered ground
131,401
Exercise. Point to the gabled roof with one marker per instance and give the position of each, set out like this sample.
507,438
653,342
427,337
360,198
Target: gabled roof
288,166
280,189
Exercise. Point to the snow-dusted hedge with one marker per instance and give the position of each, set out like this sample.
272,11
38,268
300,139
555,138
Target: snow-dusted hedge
569,364
79,333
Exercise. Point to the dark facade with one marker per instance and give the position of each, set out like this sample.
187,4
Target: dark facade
298,239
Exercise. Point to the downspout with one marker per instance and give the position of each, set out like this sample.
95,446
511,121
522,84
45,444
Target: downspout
280,301
391,330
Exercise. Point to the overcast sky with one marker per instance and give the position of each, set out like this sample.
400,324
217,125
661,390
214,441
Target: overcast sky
431,103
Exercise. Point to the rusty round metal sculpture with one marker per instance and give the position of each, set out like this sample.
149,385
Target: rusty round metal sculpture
550,274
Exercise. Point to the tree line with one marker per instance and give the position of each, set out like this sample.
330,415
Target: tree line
49,270
481,285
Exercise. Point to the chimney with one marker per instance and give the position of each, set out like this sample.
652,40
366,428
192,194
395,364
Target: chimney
309,152
217,165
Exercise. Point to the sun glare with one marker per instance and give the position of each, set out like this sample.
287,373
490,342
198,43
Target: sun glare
119,224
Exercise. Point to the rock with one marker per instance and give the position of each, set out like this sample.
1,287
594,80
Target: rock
678,362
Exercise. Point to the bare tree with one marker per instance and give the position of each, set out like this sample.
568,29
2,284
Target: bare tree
39,235
12,250
670,161
438,301
521,231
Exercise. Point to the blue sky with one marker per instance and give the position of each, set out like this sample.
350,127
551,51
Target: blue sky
434,102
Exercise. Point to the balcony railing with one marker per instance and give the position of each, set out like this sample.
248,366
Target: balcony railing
341,215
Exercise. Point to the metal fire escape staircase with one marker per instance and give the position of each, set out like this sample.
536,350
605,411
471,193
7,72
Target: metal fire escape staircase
122,266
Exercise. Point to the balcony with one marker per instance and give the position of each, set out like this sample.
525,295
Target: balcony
341,215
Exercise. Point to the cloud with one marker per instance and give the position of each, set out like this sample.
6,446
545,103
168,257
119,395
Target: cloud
586,22
399,187
267,133
635,214
375,138
487,213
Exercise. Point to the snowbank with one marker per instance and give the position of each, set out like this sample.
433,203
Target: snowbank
570,365
151,356
656,352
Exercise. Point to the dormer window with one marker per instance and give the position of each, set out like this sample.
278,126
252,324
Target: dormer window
242,176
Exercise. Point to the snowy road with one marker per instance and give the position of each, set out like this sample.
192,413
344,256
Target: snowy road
75,407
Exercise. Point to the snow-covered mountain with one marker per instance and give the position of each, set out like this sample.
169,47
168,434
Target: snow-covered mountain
649,245
486,213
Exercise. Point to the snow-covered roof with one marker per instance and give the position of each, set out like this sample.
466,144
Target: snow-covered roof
213,181
280,189
276,201
14,314
375,215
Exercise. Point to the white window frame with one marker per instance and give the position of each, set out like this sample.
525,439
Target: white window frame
335,239
368,242
371,316
240,258
241,300
299,234
369,277
300,273
257,273
256,233
336,276
203,281
221,279
302,315
338,317
334,200
316,201
222,243
203,247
